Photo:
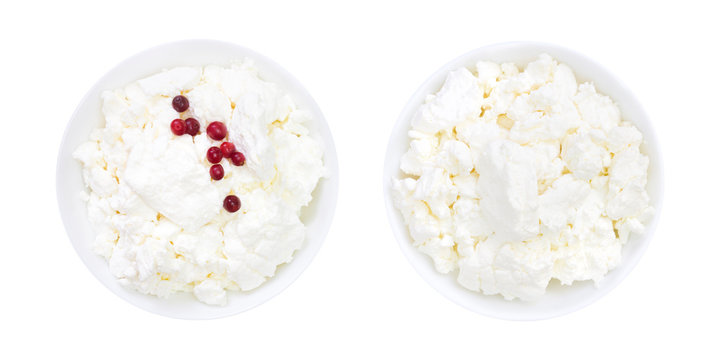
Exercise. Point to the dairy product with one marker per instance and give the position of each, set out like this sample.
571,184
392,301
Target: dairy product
515,177
158,216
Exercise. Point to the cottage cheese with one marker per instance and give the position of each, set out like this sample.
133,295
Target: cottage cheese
513,178
157,215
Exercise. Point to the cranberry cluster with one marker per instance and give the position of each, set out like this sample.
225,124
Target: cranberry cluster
188,126
216,130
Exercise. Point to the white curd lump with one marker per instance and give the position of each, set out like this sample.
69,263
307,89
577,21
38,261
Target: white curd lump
515,177
157,214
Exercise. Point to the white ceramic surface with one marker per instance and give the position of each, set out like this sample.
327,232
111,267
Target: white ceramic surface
559,299
87,116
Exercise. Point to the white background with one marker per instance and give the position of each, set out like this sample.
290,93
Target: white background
361,61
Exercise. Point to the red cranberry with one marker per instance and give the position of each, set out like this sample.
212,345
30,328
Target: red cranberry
217,172
237,158
180,103
192,126
178,127
227,148
216,130
214,155
231,203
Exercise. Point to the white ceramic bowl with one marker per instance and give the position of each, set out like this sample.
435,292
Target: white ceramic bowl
559,299
87,116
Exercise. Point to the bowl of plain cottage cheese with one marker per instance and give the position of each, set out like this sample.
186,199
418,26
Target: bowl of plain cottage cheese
197,179
523,181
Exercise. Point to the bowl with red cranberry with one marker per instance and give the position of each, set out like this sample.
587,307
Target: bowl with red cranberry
222,152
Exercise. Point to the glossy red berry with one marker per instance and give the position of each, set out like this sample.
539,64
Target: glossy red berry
214,155
192,126
216,130
231,203
178,127
180,103
227,148
217,172
237,158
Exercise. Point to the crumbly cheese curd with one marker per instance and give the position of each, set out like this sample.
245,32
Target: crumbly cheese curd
515,177
158,216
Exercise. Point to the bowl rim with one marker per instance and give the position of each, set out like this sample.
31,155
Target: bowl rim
329,183
391,167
